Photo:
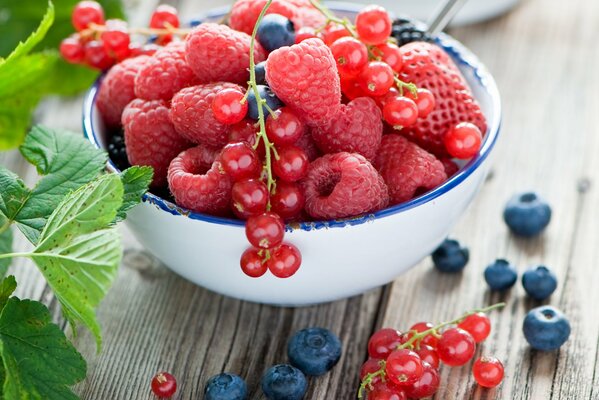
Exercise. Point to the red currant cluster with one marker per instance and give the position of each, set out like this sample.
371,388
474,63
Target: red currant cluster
406,365
100,43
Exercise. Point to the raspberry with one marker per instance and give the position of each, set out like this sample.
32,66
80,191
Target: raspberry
192,115
218,53
343,185
117,90
304,76
150,137
244,13
357,128
308,145
164,74
308,16
407,168
196,179
429,67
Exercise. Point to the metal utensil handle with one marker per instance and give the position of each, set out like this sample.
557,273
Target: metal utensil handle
444,15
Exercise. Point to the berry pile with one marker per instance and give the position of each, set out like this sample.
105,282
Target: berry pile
406,365
288,113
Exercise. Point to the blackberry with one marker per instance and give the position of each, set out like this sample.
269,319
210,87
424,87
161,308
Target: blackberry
117,151
405,31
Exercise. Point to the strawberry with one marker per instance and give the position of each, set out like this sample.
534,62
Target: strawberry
429,67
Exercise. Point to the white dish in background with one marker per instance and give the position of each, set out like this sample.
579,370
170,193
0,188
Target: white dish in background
340,258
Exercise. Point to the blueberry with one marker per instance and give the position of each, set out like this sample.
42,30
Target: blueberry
546,328
501,275
260,71
194,22
450,256
225,387
539,282
527,214
284,382
314,351
275,31
266,94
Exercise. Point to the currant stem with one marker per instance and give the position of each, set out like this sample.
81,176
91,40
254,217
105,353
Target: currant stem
95,29
367,382
410,86
332,18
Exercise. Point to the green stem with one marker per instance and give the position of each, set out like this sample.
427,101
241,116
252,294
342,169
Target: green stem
332,18
410,86
13,255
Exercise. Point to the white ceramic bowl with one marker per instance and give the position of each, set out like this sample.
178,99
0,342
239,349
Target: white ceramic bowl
340,258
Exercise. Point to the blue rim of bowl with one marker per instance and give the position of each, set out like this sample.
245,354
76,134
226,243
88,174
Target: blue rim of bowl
459,53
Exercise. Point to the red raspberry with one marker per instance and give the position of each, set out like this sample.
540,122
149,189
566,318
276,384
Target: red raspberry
150,137
196,179
244,13
218,53
117,90
407,168
429,67
164,74
357,128
304,76
191,113
308,145
343,185
308,16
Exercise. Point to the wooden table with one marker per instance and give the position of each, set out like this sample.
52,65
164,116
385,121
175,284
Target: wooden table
545,58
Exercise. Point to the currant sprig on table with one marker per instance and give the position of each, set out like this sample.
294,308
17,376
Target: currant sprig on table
406,365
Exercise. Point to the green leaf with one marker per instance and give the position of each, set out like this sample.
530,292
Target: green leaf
14,193
136,181
67,161
77,254
7,288
40,363
5,245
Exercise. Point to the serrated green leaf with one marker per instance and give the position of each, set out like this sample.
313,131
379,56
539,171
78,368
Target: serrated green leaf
77,254
136,181
13,195
67,161
40,363
7,288
5,245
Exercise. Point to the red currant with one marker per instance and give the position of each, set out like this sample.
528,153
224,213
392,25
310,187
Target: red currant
373,25
288,200
116,39
371,366
351,56
333,32
229,106
244,131
252,263
376,78
456,347
164,385
383,342
382,100
400,112
164,16
478,325
265,230
86,13
463,141
428,354
386,391
488,371
450,166
96,56
352,89
425,100
391,54
430,339
249,197
136,49
304,33
292,164
427,385
240,161
72,50
404,367
286,128
284,260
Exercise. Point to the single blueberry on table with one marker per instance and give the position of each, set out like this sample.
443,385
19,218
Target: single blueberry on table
275,31
284,382
546,328
314,350
225,386
450,256
527,214
272,101
539,282
501,275
260,71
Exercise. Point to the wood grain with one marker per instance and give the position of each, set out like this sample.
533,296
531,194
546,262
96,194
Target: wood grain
544,56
